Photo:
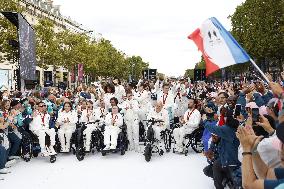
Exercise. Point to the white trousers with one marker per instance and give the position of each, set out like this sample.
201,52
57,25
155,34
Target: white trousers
41,137
111,135
143,116
65,134
179,134
133,132
158,130
88,135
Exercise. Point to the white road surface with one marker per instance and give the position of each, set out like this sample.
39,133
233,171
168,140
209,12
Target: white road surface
131,171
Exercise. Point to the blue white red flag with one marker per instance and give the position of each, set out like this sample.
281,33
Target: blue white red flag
219,48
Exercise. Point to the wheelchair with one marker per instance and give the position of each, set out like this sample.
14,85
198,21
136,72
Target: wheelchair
142,133
122,142
193,140
35,148
78,139
150,143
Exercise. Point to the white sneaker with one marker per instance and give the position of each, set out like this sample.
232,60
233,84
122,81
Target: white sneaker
52,151
180,150
14,157
4,171
10,163
87,148
137,149
107,148
112,147
44,153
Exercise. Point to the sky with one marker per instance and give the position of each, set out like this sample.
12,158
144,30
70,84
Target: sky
156,30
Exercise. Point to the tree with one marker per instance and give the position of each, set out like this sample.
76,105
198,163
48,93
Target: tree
8,31
135,66
258,26
48,50
189,73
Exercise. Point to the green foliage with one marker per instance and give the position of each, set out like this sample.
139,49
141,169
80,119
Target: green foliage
68,49
7,30
189,73
258,27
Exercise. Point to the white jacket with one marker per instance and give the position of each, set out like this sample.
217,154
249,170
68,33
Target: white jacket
107,97
143,98
192,120
162,115
133,108
84,117
119,92
63,115
100,114
167,99
117,117
40,122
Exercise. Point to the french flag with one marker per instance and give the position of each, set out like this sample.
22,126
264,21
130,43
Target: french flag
218,46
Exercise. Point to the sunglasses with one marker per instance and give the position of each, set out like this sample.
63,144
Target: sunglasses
42,106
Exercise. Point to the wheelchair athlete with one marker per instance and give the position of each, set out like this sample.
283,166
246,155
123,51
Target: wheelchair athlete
67,121
40,127
190,121
93,119
113,121
159,113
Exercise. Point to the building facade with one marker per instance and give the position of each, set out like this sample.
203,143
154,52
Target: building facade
34,11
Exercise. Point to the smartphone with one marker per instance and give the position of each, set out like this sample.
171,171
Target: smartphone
238,110
255,115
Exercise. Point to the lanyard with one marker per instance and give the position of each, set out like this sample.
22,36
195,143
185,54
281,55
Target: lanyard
178,95
102,111
114,118
165,99
42,118
189,114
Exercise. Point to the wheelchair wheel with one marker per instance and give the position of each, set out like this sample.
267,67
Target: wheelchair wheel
122,152
52,159
103,153
166,137
161,152
80,155
196,141
186,152
148,152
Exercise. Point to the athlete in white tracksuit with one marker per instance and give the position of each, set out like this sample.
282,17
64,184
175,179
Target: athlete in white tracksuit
114,121
190,122
40,127
67,121
167,98
159,113
144,99
90,116
180,106
131,109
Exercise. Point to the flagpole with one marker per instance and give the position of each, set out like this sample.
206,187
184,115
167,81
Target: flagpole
260,71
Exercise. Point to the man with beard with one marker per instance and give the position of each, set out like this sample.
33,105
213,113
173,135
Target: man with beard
190,121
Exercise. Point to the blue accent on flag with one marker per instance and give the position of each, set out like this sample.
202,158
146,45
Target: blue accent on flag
239,54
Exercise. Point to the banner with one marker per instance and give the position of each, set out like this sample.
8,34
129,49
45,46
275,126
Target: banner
27,50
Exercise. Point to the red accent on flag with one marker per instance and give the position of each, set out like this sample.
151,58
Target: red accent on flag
198,40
